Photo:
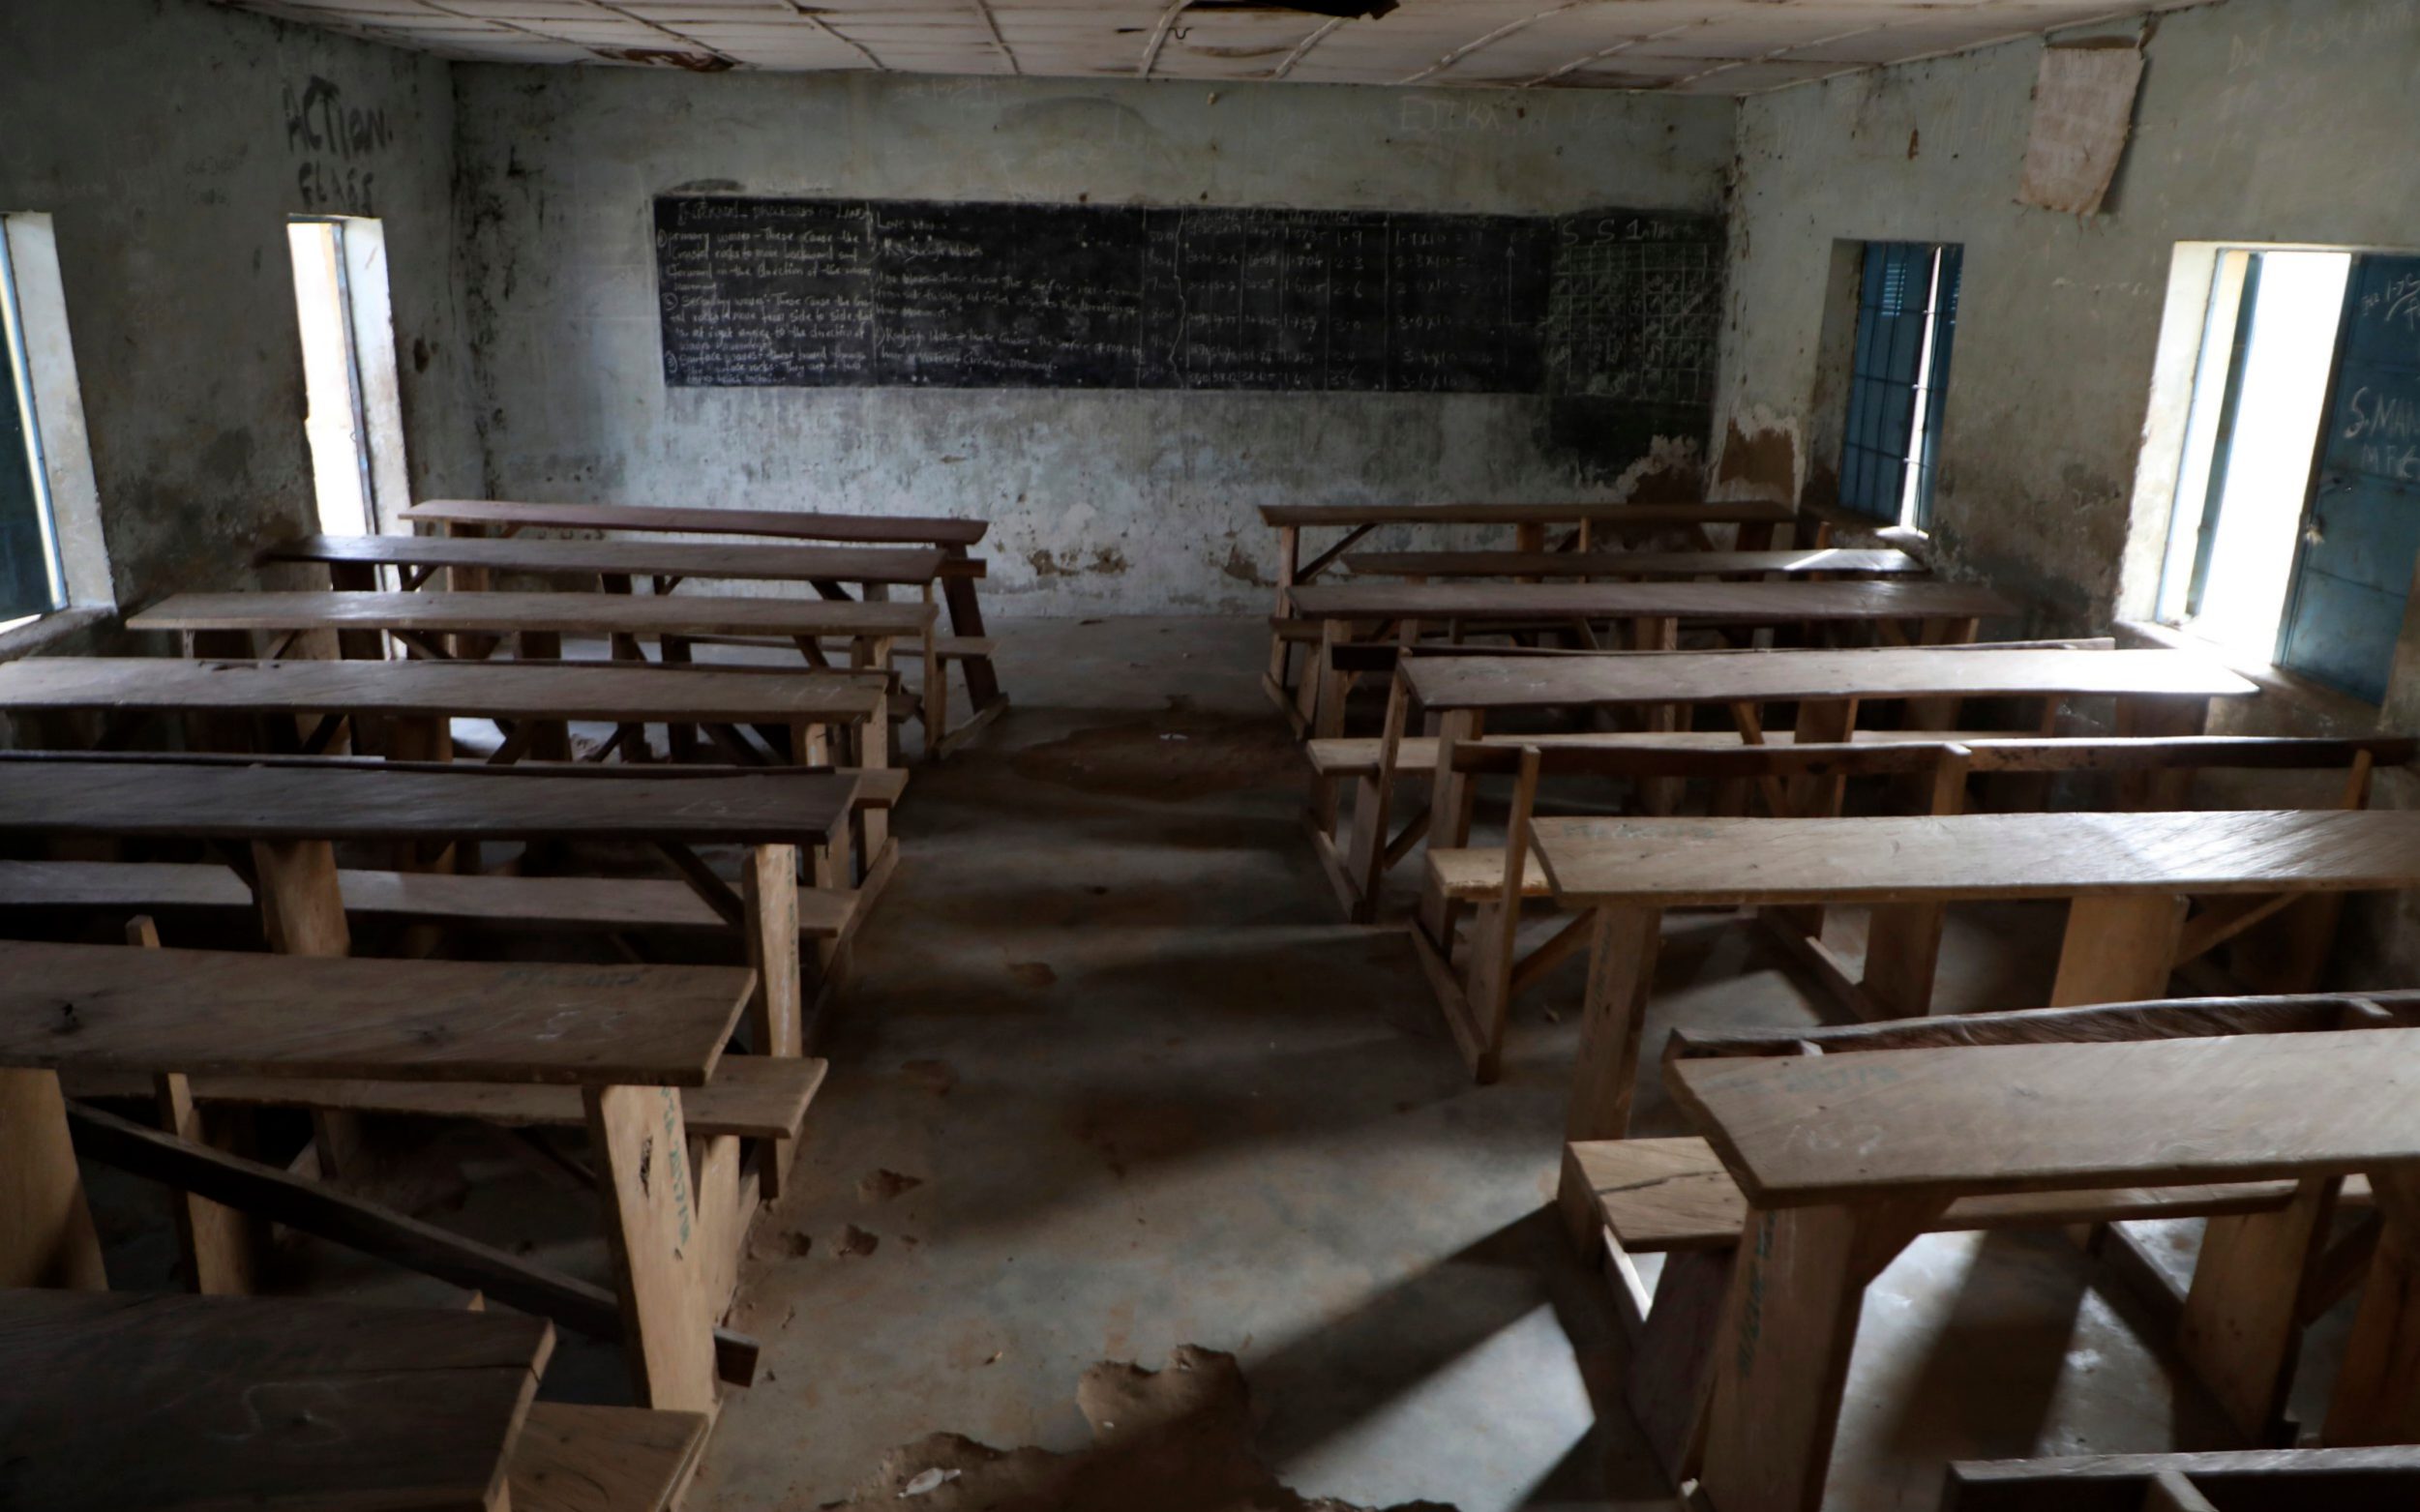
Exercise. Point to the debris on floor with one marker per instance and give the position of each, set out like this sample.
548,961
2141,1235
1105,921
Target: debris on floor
1177,1440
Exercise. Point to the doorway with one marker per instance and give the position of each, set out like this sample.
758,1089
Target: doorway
352,415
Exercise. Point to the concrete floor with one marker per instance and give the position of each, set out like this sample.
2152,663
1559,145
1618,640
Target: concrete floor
1112,1081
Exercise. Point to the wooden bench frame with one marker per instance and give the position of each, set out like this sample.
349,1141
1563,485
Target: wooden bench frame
1531,523
1748,1355
1794,779
2383,1479
675,1212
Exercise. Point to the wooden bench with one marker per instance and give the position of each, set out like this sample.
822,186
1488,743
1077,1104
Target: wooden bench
1789,776
279,824
1845,1158
627,1039
613,566
1461,693
2126,879
1633,566
2383,1479
445,626
954,538
403,707
1940,612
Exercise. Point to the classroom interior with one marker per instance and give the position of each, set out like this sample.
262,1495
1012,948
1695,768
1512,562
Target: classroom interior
1203,755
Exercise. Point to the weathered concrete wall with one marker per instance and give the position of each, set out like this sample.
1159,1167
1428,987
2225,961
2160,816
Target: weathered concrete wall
1121,501
2259,121
171,140
2237,135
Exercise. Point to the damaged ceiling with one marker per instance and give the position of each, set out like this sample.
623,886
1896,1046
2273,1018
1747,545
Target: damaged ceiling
1700,46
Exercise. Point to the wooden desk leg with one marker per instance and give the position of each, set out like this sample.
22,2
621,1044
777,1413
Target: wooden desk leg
2377,1390
965,620
1288,561
874,735
680,740
769,890
553,739
220,1244
1449,819
2118,949
1623,947
936,695
652,1221
1782,1355
46,1234
1820,722
2159,717
1321,703
301,912
2242,1325
1657,795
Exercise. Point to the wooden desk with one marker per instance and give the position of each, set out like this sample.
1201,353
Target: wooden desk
953,537
122,1401
630,1037
2128,876
1631,566
419,696
1938,613
1844,1160
610,563
1530,522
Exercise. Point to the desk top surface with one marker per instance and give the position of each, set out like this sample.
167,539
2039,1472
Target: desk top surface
1733,603
281,1404
1631,564
469,689
126,1008
692,519
550,556
1518,682
1971,1119
1684,862
436,612
1594,510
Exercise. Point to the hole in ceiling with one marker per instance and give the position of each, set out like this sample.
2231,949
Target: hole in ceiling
1360,10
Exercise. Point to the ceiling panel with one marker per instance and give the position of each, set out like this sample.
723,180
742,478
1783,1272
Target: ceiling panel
1699,47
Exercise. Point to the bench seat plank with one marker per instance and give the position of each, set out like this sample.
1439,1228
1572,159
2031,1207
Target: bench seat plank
282,1405
1882,561
1477,873
577,1456
1730,603
1973,1119
751,1096
1674,1193
787,524
603,691
114,1007
560,558
441,612
1687,862
1609,511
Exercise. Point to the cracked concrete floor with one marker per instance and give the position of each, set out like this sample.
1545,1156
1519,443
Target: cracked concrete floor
1151,1094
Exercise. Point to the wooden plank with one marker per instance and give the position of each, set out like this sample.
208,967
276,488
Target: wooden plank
1613,1013
1686,861
2378,1389
1727,602
2118,950
1602,512
2178,1018
762,1097
273,1404
284,803
787,524
1633,565
2260,1480
651,1219
555,557
572,1456
274,1194
1509,682
2170,1491
2045,1118
434,690
48,1240
2242,1321
446,612
205,1012
495,902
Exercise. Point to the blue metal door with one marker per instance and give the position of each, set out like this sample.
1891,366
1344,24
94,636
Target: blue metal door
2361,527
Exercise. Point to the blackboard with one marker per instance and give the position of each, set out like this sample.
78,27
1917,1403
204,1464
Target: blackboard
856,294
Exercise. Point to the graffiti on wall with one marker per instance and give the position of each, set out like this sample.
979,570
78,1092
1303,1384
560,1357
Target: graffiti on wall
335,146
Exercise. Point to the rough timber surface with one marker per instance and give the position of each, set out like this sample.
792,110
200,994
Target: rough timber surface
1850,562
1799,1131
437,613
543,557
208,1011
1512,682
1732,603
692,520
465,690
186,1404
1684,862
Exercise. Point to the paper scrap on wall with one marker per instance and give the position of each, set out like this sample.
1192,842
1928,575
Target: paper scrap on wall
2082,106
